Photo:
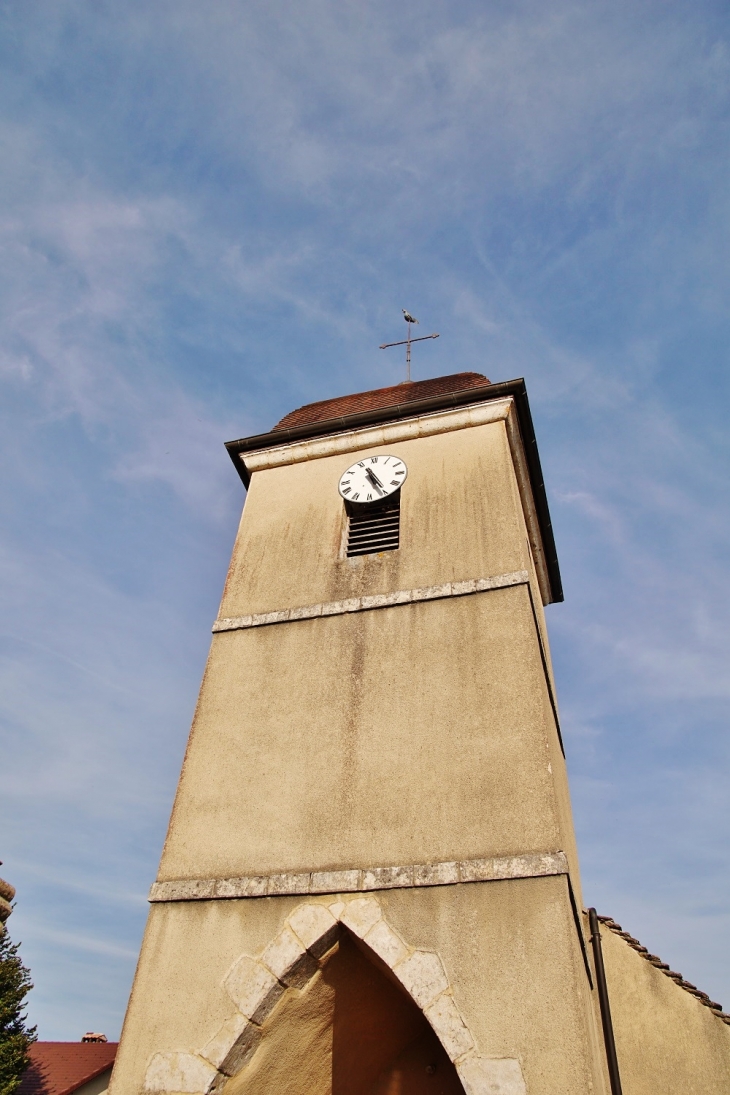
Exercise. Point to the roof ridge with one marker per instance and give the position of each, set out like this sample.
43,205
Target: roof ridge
634,943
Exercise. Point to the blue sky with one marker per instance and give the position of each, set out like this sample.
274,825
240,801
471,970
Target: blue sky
213,213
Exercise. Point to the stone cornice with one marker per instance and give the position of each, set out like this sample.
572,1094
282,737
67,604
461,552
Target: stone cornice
377,600
355,440
530,865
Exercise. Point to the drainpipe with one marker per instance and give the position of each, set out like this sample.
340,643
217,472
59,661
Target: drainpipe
608,1038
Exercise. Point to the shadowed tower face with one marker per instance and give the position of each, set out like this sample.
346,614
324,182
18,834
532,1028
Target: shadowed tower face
369,882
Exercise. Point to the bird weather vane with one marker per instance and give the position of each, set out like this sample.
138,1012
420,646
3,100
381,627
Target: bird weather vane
410,320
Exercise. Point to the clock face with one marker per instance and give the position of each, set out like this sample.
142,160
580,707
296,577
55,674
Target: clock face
373,478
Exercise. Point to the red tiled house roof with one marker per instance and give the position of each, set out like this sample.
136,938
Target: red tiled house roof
59,1068
380,397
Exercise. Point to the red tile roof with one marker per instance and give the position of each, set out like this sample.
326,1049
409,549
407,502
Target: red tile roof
58,1068
380,397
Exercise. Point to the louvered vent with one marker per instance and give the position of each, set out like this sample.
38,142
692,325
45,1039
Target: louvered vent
371,530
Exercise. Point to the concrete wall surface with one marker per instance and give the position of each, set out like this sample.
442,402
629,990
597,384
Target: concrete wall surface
509,951
416,733
461,517
423,732
97,1086
667,1041
420,732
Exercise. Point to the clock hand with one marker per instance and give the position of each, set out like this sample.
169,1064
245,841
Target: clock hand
375,483
374,479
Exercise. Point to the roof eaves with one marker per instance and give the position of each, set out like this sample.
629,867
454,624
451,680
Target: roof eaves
107,1067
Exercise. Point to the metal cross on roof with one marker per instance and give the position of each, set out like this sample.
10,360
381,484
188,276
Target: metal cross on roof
407,342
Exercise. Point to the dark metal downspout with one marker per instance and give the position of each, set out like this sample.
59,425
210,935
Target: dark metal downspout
602,987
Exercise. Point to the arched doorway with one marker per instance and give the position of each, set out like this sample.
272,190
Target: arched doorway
350,1030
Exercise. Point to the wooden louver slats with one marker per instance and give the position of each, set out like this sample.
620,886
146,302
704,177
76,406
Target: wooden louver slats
374,530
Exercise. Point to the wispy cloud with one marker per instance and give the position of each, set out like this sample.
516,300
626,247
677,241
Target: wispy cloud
211,216
78,942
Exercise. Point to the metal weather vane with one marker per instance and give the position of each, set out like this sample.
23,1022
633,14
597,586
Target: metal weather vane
407,342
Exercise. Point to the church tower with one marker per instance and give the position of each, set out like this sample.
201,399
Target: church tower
370,881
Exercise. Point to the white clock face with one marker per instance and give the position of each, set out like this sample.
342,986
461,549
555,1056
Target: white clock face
373,478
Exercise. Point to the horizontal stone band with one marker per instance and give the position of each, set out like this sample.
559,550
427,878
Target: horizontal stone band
355,440
361,881
378,600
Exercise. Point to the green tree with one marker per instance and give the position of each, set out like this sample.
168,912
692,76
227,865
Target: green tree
15,1035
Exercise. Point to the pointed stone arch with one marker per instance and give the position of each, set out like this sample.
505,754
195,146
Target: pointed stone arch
290,961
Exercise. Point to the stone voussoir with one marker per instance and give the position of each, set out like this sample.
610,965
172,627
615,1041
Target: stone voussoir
217,1049
316,927
386,943
423,976
251,986
491,1075
360,915
187,1073
445,1018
